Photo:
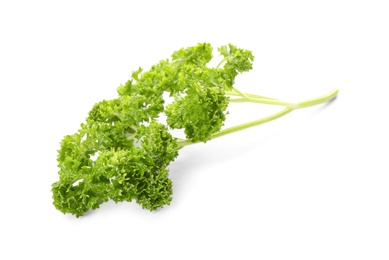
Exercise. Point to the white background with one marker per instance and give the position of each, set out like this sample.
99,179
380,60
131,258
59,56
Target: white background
312,185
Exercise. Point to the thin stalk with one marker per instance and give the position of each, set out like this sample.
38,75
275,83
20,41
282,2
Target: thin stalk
318,100
240,93
264,101
252,123
233,93
246,97
220,63
288,109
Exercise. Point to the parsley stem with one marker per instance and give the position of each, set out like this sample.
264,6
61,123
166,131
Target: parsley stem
236,92
315,101
246,97
220,63
240,93
252,123
264,101
289,108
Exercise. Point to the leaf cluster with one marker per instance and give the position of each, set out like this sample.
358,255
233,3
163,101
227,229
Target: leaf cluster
121,152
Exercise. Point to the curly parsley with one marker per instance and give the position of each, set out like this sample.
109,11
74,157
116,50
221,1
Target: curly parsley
122,153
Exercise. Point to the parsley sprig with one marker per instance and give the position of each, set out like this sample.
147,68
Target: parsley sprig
122,151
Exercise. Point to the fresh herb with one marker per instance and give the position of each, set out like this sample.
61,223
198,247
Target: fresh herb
122,151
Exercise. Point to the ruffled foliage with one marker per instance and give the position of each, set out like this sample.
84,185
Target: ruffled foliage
121,152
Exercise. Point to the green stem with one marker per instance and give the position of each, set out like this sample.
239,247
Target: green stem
264,101
252,123
318,100
220,63
240,93
288,109
234,93
246,97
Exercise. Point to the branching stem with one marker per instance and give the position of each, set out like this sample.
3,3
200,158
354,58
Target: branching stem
220,63
289,107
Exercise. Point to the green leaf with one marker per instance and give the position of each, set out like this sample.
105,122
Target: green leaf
121,152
